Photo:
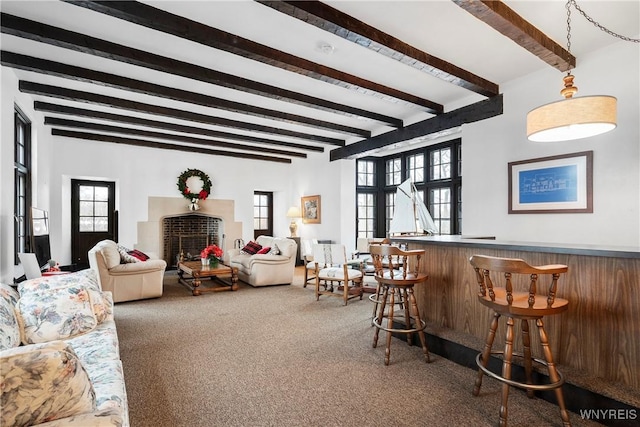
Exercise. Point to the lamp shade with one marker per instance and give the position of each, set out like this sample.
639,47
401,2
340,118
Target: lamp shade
572,118
294,212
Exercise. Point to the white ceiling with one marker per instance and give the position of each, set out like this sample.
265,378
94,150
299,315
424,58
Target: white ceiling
438,27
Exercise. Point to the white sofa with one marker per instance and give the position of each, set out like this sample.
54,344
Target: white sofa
266,269
127,281
59,354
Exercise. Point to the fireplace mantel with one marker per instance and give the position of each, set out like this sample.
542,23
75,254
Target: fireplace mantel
150,236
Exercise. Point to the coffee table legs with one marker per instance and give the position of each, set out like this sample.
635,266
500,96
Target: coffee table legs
227,281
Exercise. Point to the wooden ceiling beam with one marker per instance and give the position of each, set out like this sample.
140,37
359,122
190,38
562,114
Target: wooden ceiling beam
161,135
29,63
502,18
160,20
111,101
349,28
121,118
485,109
32,30
161,145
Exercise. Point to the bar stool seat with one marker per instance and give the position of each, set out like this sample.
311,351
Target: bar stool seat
397,272
523,306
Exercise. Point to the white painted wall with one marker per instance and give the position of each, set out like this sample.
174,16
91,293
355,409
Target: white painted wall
489,145
143,172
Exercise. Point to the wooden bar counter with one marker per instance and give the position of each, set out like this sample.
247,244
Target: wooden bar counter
600,333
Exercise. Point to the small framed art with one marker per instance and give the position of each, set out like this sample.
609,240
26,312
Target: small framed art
310,209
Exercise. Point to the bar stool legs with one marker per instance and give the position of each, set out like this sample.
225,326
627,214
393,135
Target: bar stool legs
554,375
386,314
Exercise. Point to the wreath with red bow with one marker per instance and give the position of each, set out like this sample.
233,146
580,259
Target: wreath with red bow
184,188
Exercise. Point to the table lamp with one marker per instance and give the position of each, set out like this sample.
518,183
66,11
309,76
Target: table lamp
293,213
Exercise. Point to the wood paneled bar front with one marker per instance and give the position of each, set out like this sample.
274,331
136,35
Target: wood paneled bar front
598,336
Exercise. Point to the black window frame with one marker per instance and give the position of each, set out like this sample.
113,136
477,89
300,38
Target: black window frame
266,231
380,188
22,183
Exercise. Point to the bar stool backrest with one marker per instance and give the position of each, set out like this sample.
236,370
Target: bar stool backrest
505,271
392,263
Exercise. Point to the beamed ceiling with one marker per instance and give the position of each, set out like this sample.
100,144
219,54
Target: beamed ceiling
277,80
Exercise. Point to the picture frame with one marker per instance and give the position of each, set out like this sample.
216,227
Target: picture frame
311,209
555,184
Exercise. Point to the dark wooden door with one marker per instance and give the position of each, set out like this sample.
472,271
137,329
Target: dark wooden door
93,217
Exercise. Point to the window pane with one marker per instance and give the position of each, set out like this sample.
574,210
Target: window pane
86,208
393,171
101,208
366,173
101,224
415,164
86,192
86,223
366,214
101,193
440,164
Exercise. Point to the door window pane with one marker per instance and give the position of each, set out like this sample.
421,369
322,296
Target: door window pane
93,208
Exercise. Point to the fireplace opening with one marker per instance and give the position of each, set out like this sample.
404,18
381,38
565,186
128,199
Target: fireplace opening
184,236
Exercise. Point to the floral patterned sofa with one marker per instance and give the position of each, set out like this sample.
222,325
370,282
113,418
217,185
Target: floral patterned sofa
59,355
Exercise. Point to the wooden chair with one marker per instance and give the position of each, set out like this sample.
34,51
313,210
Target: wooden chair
524,306
306,252
397,271
331,266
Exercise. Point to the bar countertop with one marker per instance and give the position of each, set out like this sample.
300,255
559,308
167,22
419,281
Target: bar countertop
488,242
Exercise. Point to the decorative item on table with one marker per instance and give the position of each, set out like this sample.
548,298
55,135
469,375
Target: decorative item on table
53,266
211,255
194,185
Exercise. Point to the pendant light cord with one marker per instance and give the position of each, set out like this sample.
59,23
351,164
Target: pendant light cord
594,22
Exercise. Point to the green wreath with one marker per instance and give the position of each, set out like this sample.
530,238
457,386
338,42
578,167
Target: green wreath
184,189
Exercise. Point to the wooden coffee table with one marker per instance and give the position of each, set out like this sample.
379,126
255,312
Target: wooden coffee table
223,278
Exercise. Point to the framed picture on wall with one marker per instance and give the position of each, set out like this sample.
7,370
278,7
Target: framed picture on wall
556,184
310,209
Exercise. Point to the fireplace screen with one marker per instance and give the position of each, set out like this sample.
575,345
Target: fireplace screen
186,235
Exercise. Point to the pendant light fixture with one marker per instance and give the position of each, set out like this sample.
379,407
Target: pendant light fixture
573,118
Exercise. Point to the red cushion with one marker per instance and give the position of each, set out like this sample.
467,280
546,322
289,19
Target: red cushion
264,250
138,254
251,248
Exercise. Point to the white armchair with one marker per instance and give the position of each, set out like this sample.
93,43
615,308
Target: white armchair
332,265
127,281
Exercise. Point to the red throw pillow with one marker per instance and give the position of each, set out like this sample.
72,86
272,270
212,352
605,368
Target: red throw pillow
264,250
251,248
138,254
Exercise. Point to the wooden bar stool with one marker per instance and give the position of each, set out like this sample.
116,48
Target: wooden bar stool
523,306
396,272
